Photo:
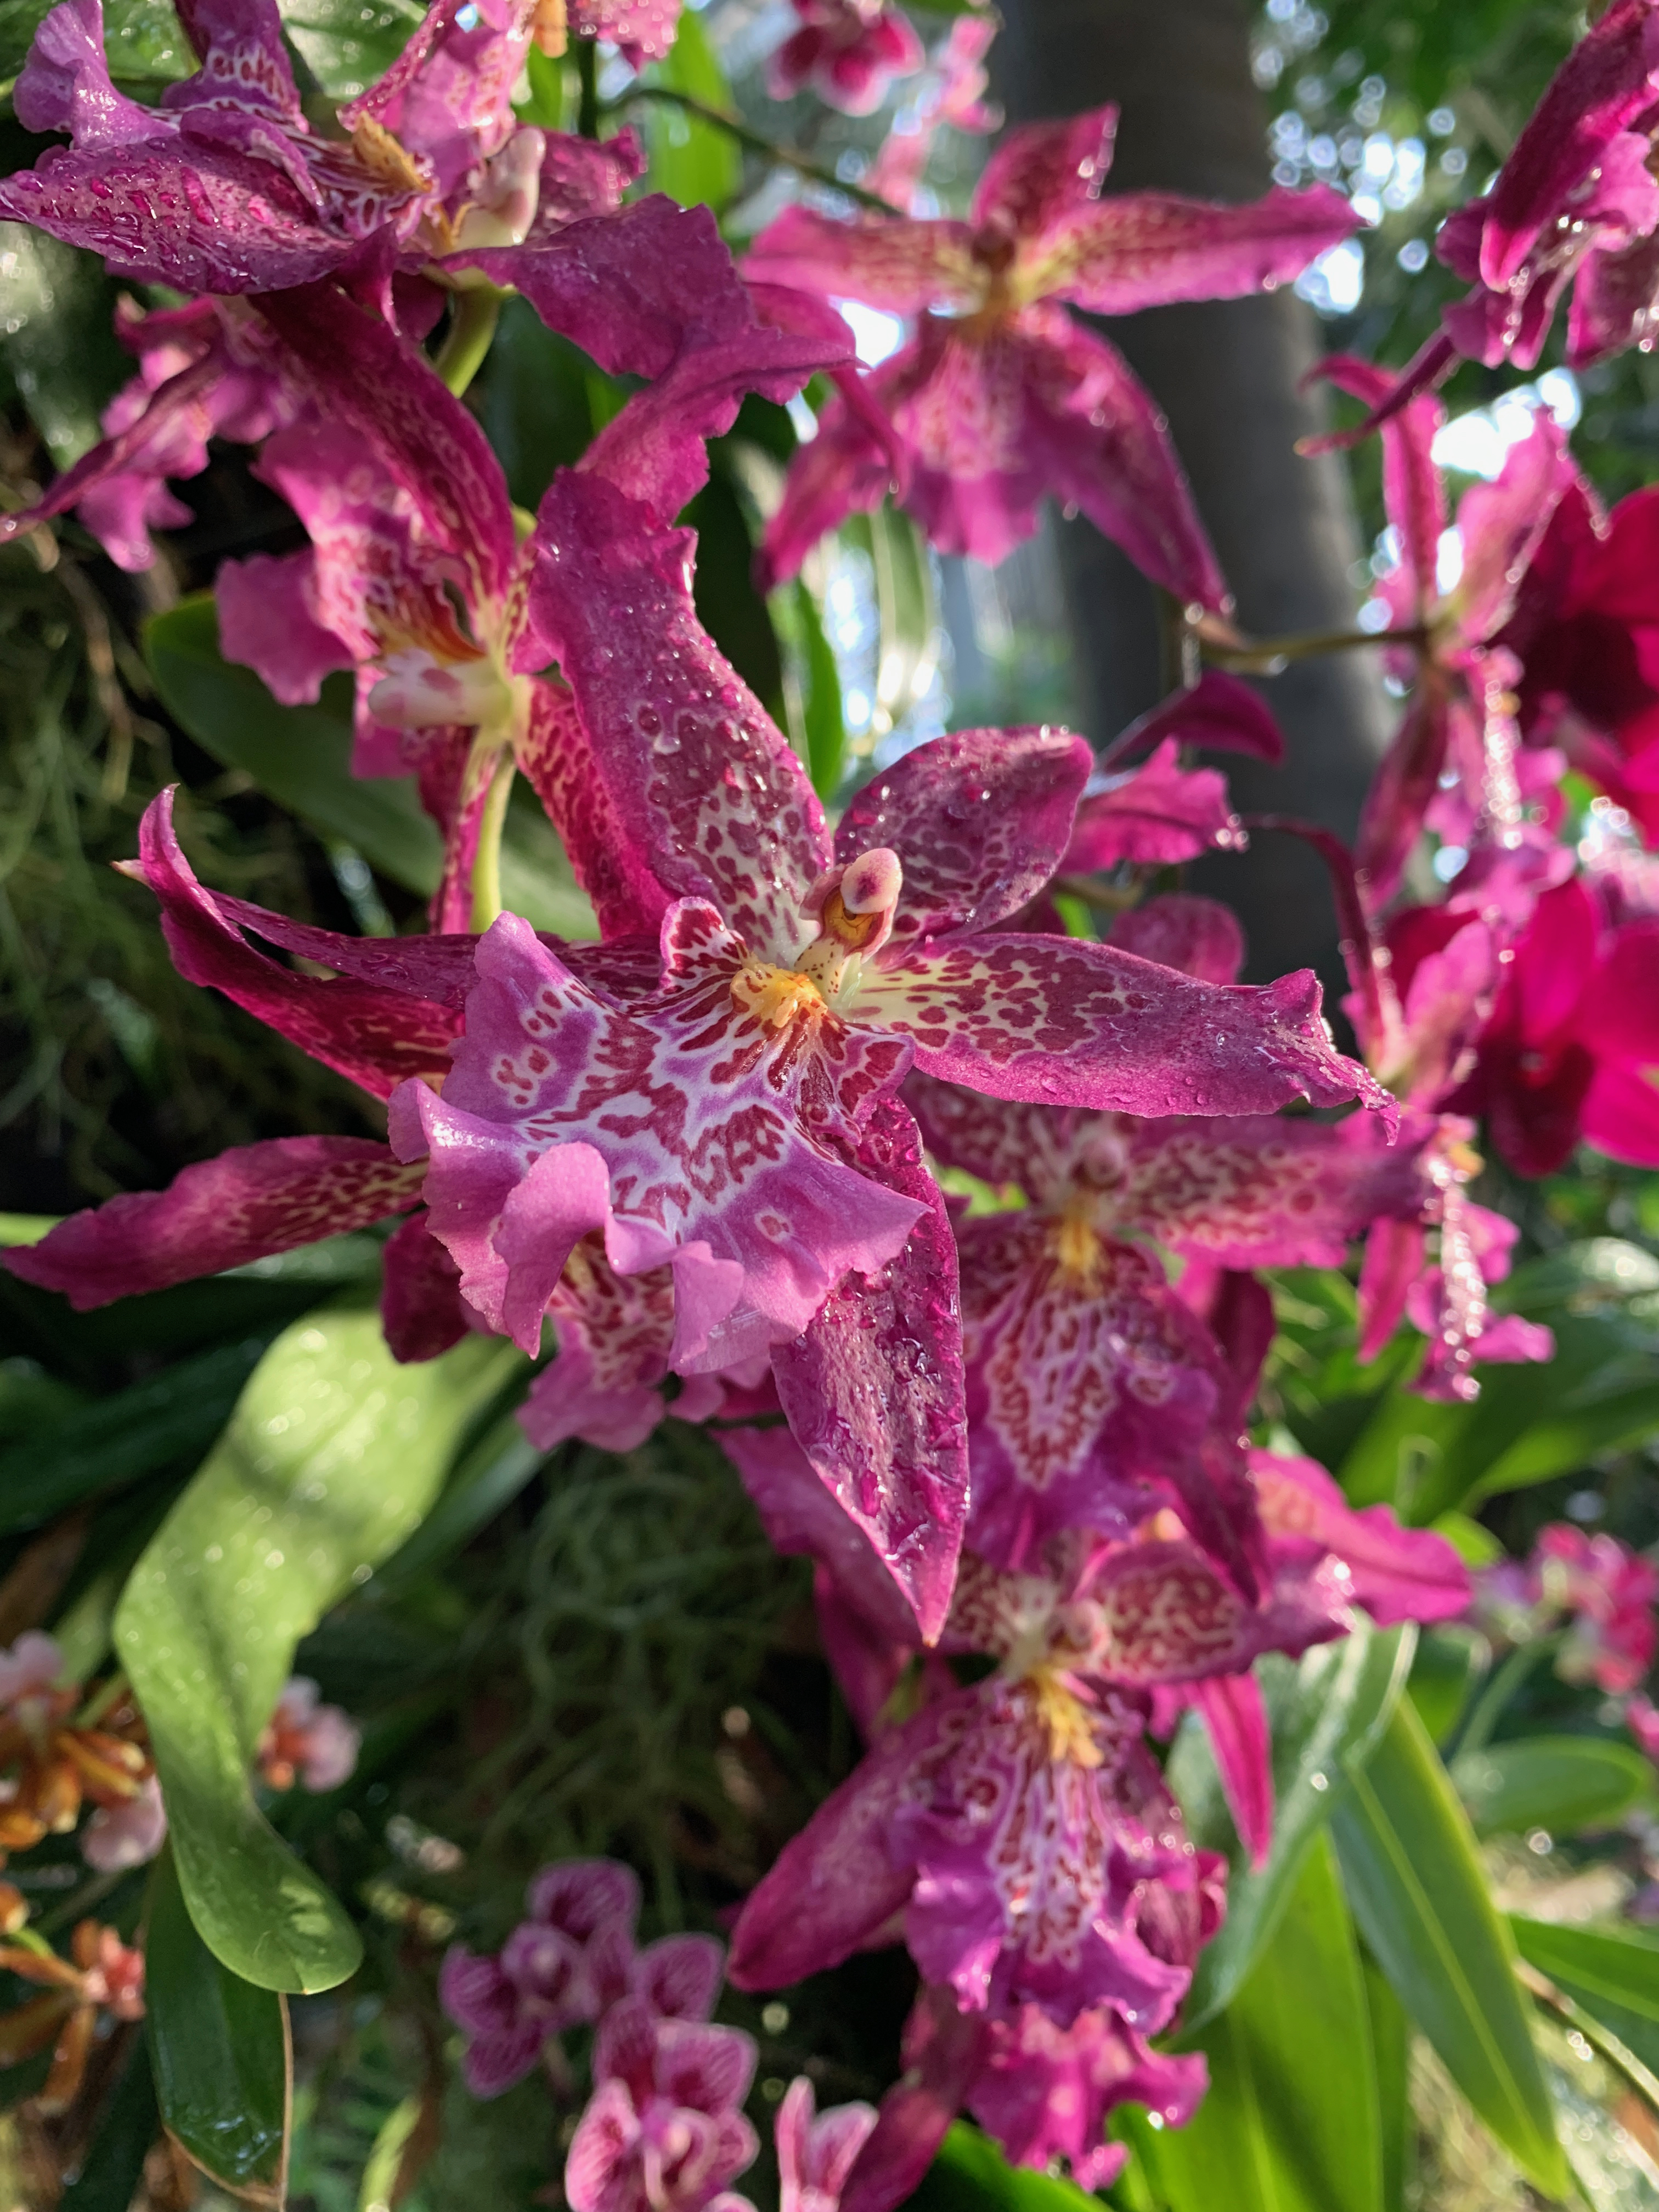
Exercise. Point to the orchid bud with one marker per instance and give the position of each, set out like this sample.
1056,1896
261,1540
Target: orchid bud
508,194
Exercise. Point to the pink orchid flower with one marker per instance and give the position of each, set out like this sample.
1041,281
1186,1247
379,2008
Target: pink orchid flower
308,1741
951,93
1020,1824
1574,206
227,187
1001,397
817,2150
663,2131
1092,1382
847,51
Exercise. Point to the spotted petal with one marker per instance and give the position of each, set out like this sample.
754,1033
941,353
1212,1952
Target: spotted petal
1397,1574
1058,1020
874,1386
895,263
701,781
979,819
1160,812
250,1202
370,1034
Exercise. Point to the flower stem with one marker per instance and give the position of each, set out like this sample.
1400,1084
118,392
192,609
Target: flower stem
588,78
1266,656
104,1700
1502,1685
757,143
487,862
473,314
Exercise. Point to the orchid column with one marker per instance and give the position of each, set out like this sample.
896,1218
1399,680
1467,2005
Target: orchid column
1227,373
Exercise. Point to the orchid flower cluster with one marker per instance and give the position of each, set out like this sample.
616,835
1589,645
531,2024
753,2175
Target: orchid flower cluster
955,1221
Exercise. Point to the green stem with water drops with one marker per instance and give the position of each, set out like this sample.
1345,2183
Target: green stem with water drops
487,862
756,142
1502,1686
1267,656
473,314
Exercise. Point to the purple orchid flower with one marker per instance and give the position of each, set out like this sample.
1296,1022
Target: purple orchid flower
817,2150
1091,1383
1461,715
737,1123
848,51
663,2131
1001,397
227,188
1574,205
1019,1825
951,93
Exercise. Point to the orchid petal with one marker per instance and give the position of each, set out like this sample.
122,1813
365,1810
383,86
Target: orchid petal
249,1203
1158,813
1397,1574
887,262
1060,1021
1042,175
268,623
1177,929
1413,491
372,1036
874,1386
980,820
422,1310
1237,1722
701,783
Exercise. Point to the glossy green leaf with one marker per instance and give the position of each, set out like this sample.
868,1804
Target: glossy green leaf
1418,1893
1292,2122
332,1457
970,2174
907,614
1565,1783
143,40
1613,1975
487,1480
301,757
223,2059
1325,1712
691,160
118,1440
58,349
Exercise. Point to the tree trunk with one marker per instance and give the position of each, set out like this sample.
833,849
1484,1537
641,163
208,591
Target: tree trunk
1227,373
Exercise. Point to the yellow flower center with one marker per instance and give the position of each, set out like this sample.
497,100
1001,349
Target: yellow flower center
386,161
775,996
1067,1719
1077,1247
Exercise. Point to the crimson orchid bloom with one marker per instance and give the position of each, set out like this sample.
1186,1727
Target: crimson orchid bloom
1001,396
848,51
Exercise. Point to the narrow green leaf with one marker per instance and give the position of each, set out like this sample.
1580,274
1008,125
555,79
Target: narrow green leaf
691,160
301,757
1291,2123
332,1457
1324,1711
223,2062
1613,1976
104,1447
1390,2058
1418,1893
1565,1783
826,728
970,2174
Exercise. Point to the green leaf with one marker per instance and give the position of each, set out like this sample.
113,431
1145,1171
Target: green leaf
902,575
223,2062
489,1478
1325,1712
729,607
823,724
1291,2123
301,757
691,160
106,1446
59,350
1417,1890
970,2174
333,1455
1391,2061
347,44
1614,1977
1446,1664
1565,1784
142,38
